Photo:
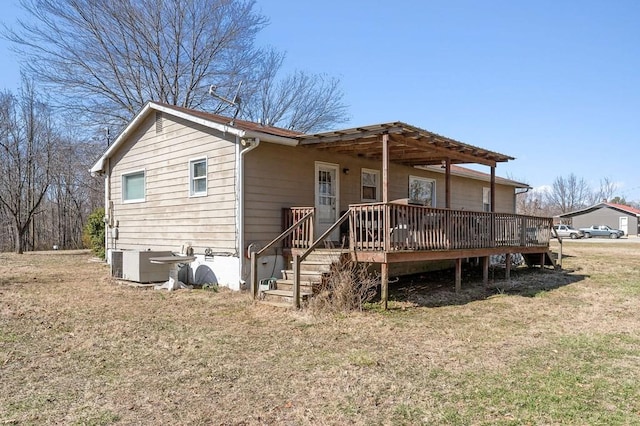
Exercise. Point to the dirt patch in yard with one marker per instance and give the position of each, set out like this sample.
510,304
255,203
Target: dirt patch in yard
77,347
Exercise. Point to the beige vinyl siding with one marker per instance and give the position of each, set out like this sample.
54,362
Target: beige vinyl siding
278,176
169,217
467,194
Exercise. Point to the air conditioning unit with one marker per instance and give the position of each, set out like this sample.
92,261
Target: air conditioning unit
134,265
116,263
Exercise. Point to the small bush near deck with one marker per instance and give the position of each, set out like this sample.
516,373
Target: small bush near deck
347,288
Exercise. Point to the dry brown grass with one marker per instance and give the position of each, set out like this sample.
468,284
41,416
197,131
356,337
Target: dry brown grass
79,348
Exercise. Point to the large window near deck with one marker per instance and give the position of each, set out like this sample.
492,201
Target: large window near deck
422,191
133,187
370,185
486,199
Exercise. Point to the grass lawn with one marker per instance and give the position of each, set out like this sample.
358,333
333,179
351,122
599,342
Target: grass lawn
545,348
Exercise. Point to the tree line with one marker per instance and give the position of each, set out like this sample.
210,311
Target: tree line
567,194
46,192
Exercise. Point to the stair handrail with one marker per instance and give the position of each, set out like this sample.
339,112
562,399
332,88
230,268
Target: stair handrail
298,258
285,234
255,255
559,238
324,236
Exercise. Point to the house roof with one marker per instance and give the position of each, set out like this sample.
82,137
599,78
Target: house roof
478,175
619,207
408,144
247,126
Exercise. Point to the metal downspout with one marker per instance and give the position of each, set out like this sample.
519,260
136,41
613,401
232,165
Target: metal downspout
107,200
250,146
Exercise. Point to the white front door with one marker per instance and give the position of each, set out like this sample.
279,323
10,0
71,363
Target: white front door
624,224
327,198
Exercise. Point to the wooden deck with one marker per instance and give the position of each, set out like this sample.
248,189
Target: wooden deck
390,232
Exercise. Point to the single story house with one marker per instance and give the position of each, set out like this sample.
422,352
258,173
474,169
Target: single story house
226,190
617,216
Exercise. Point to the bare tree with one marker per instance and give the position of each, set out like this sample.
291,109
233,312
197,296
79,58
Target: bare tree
568,194
605,192
528,203
72,196
299,101
108,58
27,150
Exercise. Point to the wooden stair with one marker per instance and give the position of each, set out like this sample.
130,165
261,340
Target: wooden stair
313,271
535,259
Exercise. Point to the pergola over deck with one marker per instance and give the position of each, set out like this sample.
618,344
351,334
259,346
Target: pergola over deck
402,143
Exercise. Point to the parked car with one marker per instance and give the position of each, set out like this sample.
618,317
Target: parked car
602,231
567,231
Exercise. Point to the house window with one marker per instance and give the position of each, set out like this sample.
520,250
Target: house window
486,199
422,191
370,184
133,187
198,177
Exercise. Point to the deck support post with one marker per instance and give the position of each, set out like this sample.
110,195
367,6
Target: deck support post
254,274
458,275
492,195
507,266
296,281
559,259
543,258
385,168
485,270
384,291
447,181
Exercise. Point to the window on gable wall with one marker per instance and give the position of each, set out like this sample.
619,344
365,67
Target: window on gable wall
486,199
370,180
133,187
422,191
198,177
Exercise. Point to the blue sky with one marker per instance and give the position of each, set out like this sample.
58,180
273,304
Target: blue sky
555,84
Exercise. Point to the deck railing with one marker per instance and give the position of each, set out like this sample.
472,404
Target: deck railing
302,236
394,227
380,226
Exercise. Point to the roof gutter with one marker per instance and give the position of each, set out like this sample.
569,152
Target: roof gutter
281,140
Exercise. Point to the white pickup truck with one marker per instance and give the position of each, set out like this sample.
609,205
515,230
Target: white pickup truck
566,231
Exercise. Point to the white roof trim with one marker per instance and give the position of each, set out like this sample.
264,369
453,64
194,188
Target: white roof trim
224,128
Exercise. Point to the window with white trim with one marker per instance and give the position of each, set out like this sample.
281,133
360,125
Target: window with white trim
370,182
486,199
133,187
198,177
422,191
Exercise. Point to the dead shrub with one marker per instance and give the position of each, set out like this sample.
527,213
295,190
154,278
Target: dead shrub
345,289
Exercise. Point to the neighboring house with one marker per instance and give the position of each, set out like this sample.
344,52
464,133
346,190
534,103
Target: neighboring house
617,216
184,180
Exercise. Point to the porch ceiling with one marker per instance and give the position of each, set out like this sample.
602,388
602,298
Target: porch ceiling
408,145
